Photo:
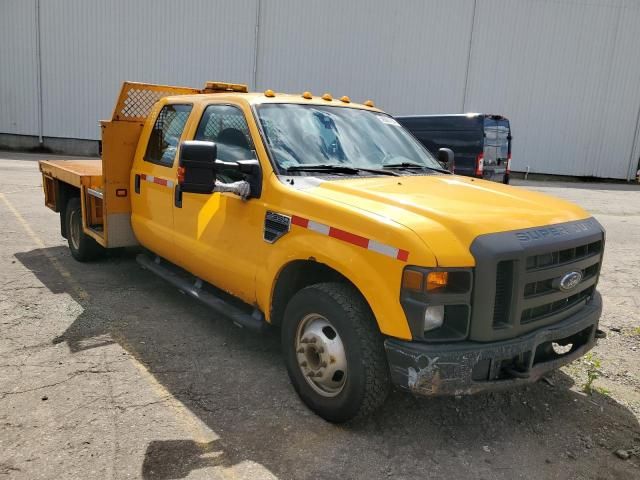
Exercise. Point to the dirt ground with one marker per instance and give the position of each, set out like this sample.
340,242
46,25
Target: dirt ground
108,372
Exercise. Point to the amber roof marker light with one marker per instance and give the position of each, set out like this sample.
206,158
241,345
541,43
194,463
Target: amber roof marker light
327,96
307,95
269,93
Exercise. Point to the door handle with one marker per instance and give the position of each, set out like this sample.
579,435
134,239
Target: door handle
137,183
177,196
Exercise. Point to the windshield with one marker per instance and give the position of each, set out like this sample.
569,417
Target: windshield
305,135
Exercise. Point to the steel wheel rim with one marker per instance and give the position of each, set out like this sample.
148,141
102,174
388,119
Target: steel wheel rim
75,229
321,355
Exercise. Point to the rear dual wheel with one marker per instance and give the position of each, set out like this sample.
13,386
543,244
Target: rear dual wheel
334,352
83,247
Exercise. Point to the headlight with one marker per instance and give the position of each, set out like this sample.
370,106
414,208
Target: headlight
437,302
433,317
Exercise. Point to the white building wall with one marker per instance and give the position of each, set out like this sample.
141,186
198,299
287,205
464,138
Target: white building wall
18,68
90,46
566,74
564,71
407,56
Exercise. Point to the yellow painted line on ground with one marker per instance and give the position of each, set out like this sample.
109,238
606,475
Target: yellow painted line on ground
197,428
80,292
201,432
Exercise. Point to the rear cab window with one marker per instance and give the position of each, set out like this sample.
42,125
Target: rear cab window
165,135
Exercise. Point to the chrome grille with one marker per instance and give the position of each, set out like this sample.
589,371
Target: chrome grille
542,297
518,275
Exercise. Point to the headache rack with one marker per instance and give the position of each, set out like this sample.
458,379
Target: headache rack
104,185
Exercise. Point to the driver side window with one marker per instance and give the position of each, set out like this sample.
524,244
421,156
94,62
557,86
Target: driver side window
226,126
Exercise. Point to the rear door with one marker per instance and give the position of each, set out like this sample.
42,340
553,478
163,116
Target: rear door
496,147
154,178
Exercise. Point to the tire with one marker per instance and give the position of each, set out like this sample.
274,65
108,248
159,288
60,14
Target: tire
328,316
505,179
83,247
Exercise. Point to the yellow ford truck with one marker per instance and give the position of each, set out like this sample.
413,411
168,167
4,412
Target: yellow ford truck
327,219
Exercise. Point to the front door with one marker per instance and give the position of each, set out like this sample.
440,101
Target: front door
154,177
221,232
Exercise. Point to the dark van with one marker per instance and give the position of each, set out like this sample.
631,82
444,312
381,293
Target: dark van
481,142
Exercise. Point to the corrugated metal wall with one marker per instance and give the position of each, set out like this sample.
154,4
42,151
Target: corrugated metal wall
567,75
564,71
18,68
89,47
404,55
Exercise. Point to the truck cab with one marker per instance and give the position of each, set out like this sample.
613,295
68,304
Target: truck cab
379,266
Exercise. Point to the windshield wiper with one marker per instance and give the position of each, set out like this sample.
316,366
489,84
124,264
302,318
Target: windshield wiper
414,166
337,169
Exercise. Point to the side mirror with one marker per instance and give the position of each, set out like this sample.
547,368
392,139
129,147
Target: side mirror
197,168
445,157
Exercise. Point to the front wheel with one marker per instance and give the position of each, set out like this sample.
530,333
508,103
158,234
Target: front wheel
334,352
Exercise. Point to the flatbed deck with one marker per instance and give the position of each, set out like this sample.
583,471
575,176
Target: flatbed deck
75,172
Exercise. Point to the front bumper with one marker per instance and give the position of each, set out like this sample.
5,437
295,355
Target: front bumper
469,367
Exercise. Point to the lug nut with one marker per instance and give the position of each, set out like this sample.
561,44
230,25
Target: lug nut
320,349
323,365
313,340
304,340
303,364
300,350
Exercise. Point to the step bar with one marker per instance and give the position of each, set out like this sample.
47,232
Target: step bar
169,272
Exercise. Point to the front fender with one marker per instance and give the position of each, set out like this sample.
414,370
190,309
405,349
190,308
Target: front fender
375,275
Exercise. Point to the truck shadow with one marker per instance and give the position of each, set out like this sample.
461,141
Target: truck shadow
235,382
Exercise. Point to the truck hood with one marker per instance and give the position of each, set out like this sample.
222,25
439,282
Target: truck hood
448,211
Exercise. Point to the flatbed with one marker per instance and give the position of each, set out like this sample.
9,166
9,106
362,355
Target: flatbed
74,172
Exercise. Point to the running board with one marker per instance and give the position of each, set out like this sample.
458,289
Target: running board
254,321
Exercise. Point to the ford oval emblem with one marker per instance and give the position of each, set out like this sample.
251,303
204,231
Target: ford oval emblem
570,280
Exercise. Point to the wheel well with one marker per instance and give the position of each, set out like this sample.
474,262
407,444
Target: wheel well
64,194
297,275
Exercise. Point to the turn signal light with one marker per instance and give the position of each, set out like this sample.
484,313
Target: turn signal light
436,280
412,280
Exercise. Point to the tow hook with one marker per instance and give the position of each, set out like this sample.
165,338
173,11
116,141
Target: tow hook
601,334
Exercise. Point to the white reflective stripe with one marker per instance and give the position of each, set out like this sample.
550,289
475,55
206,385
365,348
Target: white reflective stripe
383,249
152,179
318,227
